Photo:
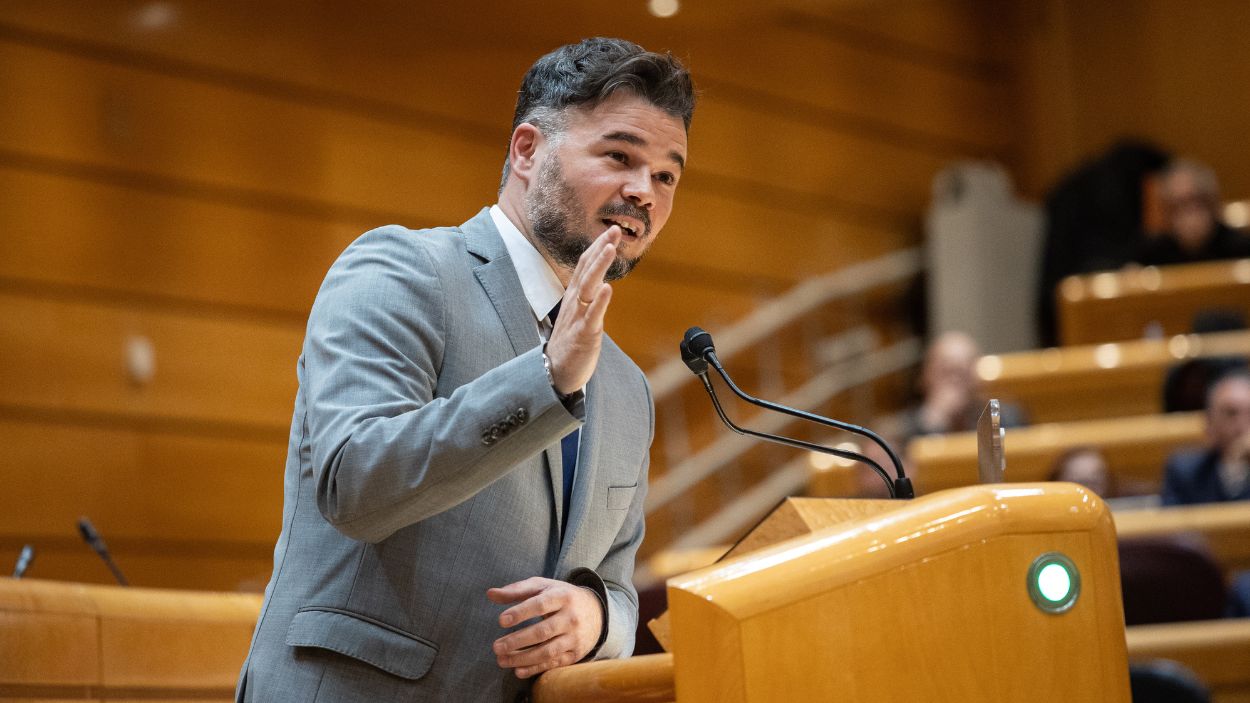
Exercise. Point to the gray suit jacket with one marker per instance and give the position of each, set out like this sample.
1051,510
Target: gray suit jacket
424,468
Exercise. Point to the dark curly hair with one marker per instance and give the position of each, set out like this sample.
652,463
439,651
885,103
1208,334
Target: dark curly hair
586,73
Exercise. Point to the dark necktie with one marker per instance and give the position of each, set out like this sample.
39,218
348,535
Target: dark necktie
568,450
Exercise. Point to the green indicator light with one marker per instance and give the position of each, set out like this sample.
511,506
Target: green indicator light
1054,583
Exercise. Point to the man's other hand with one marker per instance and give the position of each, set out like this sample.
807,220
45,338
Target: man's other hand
578,333
572,619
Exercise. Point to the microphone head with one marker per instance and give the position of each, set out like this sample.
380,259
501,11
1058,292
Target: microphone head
696,364
87,530
698,342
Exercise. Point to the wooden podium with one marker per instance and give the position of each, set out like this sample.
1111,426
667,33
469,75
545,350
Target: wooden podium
1001,592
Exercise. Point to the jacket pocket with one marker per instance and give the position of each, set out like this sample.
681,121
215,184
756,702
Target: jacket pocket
619,497
388,648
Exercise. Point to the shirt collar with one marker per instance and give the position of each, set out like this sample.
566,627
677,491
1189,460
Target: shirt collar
539,283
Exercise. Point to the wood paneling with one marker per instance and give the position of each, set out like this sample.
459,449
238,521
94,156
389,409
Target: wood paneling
108,643
1135,448
1218,651
1156,69
71,358
1129,304
1099,381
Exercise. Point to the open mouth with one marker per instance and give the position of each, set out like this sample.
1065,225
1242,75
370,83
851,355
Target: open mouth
626,228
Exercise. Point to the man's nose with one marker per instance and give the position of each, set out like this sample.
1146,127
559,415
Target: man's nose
639,189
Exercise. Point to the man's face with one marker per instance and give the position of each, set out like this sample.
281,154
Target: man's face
1189,212
1228,412
618,163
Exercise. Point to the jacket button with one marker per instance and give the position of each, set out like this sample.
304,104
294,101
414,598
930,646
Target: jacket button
522,415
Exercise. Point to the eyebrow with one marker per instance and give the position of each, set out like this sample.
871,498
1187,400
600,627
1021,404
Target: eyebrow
636,140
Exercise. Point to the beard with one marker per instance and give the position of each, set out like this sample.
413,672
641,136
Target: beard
554,211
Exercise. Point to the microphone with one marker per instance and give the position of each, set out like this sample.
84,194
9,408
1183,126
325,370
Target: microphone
697,343
24,560
93,540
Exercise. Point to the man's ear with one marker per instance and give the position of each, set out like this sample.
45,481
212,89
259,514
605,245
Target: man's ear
523,151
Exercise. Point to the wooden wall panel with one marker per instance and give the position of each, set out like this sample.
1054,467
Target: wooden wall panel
124,118
1163,70
787,60
108,237
71,357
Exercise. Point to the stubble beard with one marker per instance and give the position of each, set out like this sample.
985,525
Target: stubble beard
553,209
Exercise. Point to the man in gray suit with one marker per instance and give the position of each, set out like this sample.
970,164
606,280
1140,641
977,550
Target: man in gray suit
466,472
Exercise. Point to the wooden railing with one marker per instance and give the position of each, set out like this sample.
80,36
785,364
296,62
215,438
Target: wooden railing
812,347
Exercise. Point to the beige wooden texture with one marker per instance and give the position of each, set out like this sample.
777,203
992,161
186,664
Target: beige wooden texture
1114,306
1218,651
108,643
1106,380
809,618
1223,527
1135,449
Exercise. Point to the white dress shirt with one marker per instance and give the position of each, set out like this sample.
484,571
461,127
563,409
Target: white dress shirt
539,283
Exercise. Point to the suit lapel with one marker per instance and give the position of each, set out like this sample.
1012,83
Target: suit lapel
499,279
587,464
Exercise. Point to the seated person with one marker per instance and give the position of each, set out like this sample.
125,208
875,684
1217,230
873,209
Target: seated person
953,397
1191,198
1220,472
1087,467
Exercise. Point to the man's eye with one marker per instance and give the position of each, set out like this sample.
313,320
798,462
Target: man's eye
617,156
666,178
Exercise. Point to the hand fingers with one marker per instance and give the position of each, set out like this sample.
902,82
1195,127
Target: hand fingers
528,638
557,651
535,606
597,310
593,264
517,591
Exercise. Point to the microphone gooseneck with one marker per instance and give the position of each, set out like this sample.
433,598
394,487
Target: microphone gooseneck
96,542
697,342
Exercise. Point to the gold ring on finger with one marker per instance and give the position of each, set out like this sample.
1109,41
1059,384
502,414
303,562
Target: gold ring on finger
583,302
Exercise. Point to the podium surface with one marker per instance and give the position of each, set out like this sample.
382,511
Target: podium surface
936,599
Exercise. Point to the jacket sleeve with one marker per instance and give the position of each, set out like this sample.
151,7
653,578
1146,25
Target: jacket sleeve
613,579
385,453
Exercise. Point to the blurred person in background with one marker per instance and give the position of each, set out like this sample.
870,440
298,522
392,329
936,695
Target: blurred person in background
1190,193
1220,472
1087,467
1094,220
952,395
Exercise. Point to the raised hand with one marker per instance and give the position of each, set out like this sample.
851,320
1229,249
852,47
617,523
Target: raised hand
578,334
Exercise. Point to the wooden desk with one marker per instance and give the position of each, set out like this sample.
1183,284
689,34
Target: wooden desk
1218,651
78,642
1113,306
1135,447
1224,527
1098,380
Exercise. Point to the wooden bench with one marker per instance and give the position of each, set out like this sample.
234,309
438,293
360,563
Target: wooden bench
78,642
1224,527
1119,305
1218,651
1114,379
1135,448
